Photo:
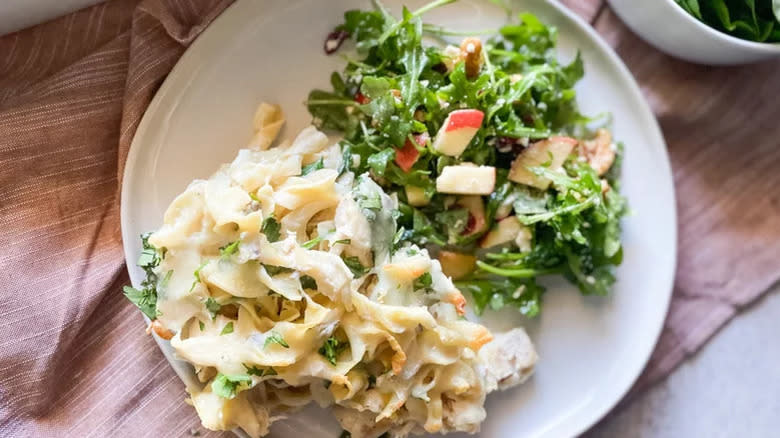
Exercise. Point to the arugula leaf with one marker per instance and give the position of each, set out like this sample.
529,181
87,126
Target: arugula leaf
309,168
379,161
275,338
271,228
332,348
229,385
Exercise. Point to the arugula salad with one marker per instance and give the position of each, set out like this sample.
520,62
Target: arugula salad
495,169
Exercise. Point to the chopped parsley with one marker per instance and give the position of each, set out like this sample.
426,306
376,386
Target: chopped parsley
227,386
312,243
229,249
354,265
212,306
145,298
273,270
275,338
197,274
259,372
424,281
309,168
308,282
271,228
227,329
331,349
201,325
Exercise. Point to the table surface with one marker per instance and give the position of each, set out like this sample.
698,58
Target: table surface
730,388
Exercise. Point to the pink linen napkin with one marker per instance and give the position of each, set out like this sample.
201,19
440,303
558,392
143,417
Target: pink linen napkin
73,357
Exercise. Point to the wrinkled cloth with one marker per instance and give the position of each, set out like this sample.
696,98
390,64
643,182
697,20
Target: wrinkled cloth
74,360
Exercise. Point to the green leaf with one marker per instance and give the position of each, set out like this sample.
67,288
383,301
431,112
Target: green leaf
354,265
201,325
144,299
259,372
271,228
276,270
227,329
332,348
227,386
275,338
379,161
229,249
308,282
212,306
309,168
776,9
196,274
312,243
424,281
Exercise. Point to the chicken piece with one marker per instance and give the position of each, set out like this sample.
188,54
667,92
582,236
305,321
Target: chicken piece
598,151
508,360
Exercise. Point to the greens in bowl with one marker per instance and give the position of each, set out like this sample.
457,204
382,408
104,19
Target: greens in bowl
753,20
495,169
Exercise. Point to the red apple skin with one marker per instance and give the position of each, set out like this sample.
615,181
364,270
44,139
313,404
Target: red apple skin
406,156
563,139
465,118
476,209
361,98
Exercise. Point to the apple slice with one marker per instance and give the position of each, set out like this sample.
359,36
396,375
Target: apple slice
458,129
467,179
507,230
553,150
406,156
415,196
476,209
456,265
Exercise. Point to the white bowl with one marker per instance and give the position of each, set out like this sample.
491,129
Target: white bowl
668,27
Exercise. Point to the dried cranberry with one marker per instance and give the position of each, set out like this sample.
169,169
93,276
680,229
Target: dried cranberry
334,40
470,225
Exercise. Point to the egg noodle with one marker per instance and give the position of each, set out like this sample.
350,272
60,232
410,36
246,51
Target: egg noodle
282,284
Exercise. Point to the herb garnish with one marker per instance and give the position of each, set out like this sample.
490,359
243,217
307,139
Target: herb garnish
227,386
331,349
145,298
275,338
271,228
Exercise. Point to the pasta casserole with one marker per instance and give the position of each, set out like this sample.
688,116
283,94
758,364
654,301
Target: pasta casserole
282,281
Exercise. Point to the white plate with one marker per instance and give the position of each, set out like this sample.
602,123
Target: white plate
591,348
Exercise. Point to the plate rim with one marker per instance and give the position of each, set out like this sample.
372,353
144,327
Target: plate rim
578,424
